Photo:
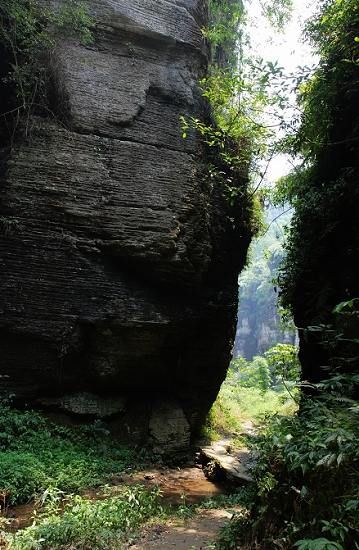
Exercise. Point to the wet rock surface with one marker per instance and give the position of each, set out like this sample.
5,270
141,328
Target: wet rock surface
223,463
118,258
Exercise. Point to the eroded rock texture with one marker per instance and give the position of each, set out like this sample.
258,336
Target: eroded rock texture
118,257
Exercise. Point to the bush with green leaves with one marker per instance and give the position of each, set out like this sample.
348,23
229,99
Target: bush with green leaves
279,367
307,464
239,89
249,393
283,361
284,366
307,473
320,269
252,374
317,544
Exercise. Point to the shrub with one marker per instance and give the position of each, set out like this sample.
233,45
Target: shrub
307,474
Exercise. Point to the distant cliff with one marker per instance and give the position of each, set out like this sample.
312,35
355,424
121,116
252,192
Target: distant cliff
259,322
118,258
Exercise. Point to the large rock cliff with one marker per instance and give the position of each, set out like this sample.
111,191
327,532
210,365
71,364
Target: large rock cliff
118,257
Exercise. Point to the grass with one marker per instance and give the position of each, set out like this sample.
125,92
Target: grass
77,523
54,464
242,496
90,525
236,405
36,454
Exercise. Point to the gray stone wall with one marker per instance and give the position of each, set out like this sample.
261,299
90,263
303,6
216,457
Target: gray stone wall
118,258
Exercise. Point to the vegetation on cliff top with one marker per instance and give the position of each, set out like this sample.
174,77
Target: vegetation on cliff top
27,36
240,87
320,271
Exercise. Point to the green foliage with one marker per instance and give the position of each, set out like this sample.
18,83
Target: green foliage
252,374
310,459
284,363
73,18
249,393
323,187
239,97
239,89
317,544
235,406
225,20
279,365
242,496
305,462
36,454
332,32
28,35
86,524
230,532
278,12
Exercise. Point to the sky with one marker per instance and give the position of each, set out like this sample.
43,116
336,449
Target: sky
287,48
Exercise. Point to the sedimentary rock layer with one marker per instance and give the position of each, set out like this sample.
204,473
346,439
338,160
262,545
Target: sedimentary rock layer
118,255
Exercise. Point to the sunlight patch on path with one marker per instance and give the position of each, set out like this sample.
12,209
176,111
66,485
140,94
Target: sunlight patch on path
197,533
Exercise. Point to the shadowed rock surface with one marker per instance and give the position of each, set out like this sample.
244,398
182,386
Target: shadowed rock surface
118,257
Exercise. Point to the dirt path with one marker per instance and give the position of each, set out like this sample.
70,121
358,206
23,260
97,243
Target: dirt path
197,533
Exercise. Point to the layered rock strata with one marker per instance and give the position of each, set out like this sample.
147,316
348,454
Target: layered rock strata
118,255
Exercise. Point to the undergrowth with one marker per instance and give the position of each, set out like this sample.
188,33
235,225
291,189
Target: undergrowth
236,406
307,476
29,32
307,464
93,525
36,454
252,391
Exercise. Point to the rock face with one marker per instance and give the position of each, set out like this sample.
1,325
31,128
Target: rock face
118,258
324,252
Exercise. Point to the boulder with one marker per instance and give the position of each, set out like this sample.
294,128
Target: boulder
119,256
